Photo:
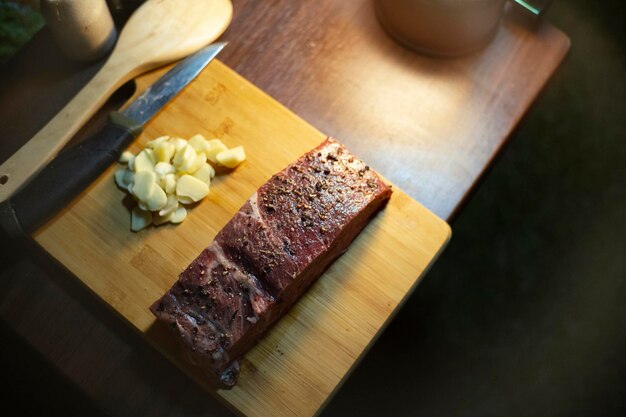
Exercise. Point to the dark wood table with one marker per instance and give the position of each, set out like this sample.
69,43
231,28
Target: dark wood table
431,126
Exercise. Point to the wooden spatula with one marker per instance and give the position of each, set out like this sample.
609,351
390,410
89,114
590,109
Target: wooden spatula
159,32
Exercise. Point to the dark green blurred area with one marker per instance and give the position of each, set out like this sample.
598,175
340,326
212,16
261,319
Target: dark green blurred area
18,23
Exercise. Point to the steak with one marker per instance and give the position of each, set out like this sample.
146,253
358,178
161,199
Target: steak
282,239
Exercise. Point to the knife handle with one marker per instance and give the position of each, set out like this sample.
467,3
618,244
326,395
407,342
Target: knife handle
66,176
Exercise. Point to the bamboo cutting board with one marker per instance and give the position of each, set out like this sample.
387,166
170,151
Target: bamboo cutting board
296,368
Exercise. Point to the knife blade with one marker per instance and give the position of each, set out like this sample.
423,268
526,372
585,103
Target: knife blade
75,168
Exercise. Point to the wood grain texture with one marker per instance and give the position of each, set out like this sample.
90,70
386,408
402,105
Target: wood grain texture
430,125
280,46
295,369
159,32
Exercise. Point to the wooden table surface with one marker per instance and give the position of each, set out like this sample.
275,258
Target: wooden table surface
431,126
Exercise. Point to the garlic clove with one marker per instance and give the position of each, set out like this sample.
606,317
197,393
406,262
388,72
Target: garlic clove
170,183
144,161
139,219
144,185
199,143
125,157
164,151
170,206
184,159
124,178
215,146
192,187
179,215
231,157
205,173
157,200
156,142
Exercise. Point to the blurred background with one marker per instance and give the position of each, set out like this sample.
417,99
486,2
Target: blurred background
524,314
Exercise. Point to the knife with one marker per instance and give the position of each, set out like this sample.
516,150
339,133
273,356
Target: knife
76,167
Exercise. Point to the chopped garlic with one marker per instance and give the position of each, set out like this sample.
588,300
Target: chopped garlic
191,187
144,161
199,143
170,206
156,142
139,219
158,220
144,185
161,169
197,163
179,215
119,179
184,199
157,200
143,205
184,158
205,173
171,172
231,157
164,151
170,183
125,157
124,178
215,146
179,143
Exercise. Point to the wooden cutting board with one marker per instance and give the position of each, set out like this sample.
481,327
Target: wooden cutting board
296,368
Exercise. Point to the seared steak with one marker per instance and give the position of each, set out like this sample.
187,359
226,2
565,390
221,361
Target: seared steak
270,252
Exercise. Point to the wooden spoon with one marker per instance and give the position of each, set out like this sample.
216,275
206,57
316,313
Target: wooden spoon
159,32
